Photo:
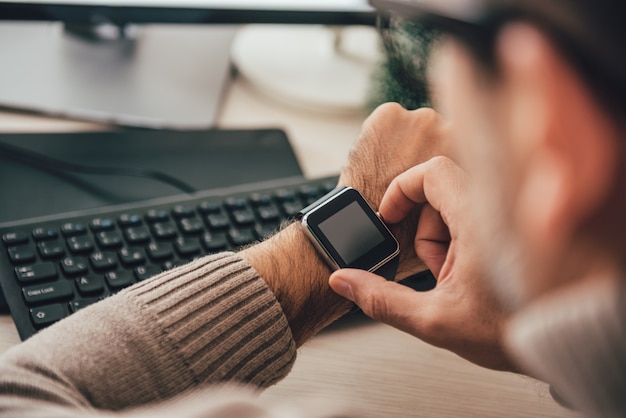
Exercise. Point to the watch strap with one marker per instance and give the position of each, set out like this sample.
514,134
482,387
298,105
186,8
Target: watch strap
389,269
319,201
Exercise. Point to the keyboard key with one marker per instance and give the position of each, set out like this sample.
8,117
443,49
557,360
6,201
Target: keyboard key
285,195
260,199
241,237
268,213
186,247
72,228
47,315
291,209
157,215
165,230
145,272
234,203
214,242
80,245
50,292
132,257
307,200
170,264
183,211
109,240
129,219
137,235
160,251
22,254
51,249
14,238
328,187
79,304
209,207
119,279
41,234
218,221
103,261
191,226
36,273
265,230
90,285
101,224
243,217
309,194
73,266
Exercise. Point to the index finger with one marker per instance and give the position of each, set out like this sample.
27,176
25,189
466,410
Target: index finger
429,182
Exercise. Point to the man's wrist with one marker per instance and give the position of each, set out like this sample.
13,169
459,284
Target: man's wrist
298,276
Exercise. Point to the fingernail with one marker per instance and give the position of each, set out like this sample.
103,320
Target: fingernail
341,287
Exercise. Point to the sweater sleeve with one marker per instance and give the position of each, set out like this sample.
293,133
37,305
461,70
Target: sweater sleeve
212,321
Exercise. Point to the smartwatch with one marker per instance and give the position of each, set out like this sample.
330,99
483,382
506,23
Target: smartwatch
348,233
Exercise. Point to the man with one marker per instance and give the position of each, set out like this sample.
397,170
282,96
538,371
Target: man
526,195
536,91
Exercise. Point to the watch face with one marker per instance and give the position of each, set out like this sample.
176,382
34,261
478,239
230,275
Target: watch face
350,233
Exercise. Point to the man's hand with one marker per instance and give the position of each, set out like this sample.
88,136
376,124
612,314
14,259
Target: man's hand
460,314
393,139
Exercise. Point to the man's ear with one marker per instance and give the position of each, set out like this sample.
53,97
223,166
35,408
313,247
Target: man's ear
567,145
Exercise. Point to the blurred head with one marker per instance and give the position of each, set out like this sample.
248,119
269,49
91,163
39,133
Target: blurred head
536,93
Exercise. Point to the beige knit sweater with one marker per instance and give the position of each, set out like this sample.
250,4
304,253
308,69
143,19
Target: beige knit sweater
183,343
210,322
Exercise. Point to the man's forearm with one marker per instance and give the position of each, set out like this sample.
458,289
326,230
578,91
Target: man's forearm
213,320
298,276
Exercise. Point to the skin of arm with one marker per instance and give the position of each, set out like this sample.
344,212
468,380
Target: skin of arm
392,140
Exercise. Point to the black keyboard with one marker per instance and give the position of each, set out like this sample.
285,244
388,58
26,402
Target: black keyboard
51,267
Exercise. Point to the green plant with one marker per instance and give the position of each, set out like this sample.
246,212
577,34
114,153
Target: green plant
401,75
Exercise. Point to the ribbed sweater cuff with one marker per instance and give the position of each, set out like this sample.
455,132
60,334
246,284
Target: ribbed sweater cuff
221,319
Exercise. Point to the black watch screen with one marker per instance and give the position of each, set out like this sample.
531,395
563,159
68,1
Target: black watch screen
348,232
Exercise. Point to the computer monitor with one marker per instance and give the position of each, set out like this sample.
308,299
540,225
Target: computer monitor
191,11
151,63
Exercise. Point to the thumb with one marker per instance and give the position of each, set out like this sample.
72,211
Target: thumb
382,300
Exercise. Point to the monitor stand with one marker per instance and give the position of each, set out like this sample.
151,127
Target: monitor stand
157,76
313,67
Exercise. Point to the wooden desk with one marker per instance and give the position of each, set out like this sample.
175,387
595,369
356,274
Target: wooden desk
381,371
